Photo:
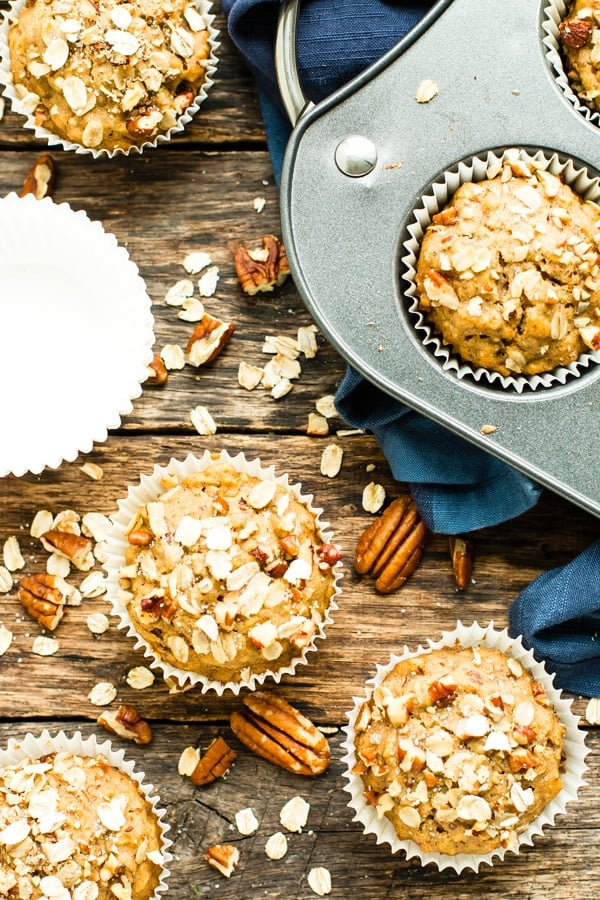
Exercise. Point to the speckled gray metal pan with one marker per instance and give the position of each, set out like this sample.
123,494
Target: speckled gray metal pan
356,167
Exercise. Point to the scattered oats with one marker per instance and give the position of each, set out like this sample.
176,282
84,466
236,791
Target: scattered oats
347,432
139,678
259,204
173,357
103,693
488,429
317,424
96,525
6,637
331,460
515,92
370,467
93,471
283,387
192,310
180,291
294,814
326,406
93,585
373,497
592,711
281,343
249,376
73,597
67,520
328,729
6,580
319,881
245,821
276,846
426,91
13,559
188,760
42,522
195,262
307,340
207,284
202,420
45,646
58,565
97,623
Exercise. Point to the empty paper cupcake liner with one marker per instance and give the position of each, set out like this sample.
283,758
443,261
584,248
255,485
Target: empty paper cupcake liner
34,746
147,490
478,168
554,11
572,770
24,107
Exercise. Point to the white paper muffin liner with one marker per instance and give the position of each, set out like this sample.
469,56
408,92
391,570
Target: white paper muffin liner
553,12
53,140
116,545
477,168
36,745
77,333
574,751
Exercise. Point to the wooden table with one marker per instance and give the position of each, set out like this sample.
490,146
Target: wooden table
198,194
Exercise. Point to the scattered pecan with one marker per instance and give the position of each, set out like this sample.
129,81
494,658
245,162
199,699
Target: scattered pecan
208,338
261,269
76,547
126,723
575,33
213,764
157,371
272,728
223,857
462,554
40,178
44,597
390,549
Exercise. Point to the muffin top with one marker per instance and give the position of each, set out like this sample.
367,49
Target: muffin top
508,272
76,828
460,749
106,74
579,37
227,574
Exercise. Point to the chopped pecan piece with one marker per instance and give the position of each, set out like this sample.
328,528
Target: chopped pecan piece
575,33
208,338
461,553
157,371
205,769
40,178
272,728
390,549
126,723
223,857
261,269
44,597
76,547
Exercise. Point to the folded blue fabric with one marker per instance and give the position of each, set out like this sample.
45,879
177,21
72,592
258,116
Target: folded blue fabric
457,486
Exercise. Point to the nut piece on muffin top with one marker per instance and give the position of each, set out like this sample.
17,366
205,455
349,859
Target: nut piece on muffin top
579,37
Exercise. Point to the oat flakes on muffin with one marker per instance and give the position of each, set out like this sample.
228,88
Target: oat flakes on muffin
106,74
579,41
227,574
508,272
76,827
460,749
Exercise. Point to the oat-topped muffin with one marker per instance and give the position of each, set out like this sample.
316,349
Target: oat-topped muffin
76,827
227,574
460,749
106,74
579,36
508,273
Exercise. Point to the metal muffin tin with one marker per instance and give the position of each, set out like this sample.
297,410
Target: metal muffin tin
357,165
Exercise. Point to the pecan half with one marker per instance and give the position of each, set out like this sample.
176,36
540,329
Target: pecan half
207,340
575,33
213,764
44,597
126,723
390,549
157,371
272,728
40,178
261,269
462,555
75,547
223,857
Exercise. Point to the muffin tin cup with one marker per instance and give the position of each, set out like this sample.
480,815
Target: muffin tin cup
572,771
148,489
23,107
34,746
441,191
554,11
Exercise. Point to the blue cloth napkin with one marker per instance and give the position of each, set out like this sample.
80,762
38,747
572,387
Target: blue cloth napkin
457,486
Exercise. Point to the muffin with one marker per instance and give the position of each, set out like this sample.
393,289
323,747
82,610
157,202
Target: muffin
106,75
76,826
226,575
507,272
579,43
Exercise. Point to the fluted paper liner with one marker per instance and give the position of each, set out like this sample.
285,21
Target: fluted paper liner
53,140
77,333
34,746
148,489
437,197
553,13
574,751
